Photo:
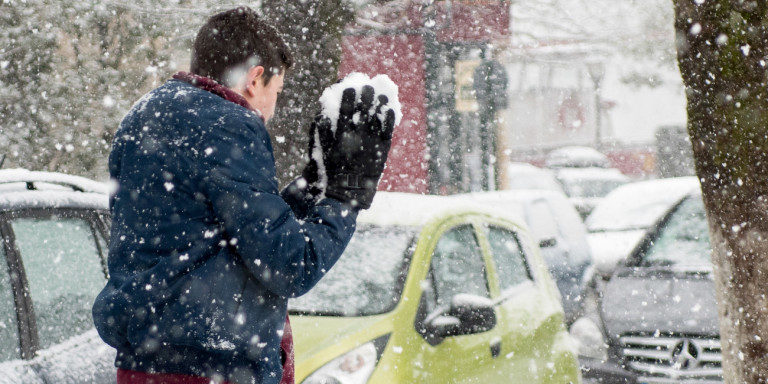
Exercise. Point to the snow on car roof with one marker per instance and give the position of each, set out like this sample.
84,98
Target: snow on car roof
510,203
410,209
524,168
53,199
575,156
20,175
638,205
591,173
50,190
521,195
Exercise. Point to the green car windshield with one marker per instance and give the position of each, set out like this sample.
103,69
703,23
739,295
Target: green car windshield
684,239
367,279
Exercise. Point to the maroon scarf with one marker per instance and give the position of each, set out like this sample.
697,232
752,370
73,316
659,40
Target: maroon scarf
212,86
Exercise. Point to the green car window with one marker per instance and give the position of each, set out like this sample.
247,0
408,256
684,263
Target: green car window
56,252
458,266
9,329
508,256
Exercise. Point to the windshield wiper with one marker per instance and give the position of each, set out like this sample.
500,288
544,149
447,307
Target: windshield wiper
312,312
668,267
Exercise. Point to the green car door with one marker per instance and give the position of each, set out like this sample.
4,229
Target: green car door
485,259
457,267
533,341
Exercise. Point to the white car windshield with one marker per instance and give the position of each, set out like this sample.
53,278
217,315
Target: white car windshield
367,279
590,187
684,239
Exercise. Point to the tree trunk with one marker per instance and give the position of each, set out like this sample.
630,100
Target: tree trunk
312,29
723,55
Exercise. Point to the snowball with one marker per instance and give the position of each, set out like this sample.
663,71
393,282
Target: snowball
330,100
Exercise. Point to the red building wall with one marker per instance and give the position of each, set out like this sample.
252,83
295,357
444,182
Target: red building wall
401,57
396,48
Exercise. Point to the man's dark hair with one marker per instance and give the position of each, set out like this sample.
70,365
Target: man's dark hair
235,38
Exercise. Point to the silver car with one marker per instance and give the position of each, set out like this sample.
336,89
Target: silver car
52,266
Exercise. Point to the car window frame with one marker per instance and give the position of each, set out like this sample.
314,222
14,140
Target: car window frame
422,311
472,225
525,241
21,298
28,330
511,290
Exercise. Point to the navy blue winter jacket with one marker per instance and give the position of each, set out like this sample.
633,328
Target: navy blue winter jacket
204,252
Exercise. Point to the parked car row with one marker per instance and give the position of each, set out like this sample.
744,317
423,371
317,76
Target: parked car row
431,289
585,175
649,314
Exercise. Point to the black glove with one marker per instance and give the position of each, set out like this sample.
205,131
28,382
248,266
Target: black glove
354,155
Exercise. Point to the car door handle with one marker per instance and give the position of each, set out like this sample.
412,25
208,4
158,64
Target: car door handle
495,348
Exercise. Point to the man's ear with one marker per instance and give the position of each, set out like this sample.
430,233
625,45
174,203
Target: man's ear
253,77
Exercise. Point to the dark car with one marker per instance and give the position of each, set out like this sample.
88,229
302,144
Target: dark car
657,313
52,266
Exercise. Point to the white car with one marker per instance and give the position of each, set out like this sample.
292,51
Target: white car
577,157
586,187
560,233
526,176
52,266
624,215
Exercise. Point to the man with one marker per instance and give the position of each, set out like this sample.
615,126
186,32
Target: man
204,251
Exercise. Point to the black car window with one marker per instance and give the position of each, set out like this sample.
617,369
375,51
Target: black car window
509,258
64,272
458,265
9,329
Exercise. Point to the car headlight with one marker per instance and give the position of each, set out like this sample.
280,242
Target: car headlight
589,338
353,367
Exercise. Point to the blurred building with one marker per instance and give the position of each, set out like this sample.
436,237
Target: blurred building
436,52
556,99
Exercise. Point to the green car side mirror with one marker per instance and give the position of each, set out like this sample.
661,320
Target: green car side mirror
468,314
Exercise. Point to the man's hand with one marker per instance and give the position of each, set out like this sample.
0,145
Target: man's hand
352,153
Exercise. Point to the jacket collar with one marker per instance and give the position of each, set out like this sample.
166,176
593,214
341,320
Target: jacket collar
210,85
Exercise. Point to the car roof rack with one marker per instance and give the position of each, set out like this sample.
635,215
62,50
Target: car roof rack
77,183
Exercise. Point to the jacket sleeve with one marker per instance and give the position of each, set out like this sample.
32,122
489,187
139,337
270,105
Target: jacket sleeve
300,196
285,254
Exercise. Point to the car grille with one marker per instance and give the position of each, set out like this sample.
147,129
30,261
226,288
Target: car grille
673,357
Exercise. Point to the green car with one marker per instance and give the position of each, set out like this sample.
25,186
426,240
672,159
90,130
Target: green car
434,290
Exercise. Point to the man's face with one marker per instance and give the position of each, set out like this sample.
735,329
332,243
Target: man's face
264,96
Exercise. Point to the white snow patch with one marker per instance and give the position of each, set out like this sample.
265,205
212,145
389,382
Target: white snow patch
80,359
639,205
24,175
108,101
220,345
330,100
410,209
